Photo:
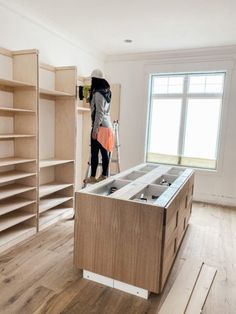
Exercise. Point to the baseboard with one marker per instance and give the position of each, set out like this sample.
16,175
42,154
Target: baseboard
215,199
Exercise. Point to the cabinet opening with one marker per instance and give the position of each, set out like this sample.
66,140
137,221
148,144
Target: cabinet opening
176,171
165,180
149,194
110,187
133,175
149,168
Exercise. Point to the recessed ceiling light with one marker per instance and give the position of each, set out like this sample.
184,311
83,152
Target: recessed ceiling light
128,41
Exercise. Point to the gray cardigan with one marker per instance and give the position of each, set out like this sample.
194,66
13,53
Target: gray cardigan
102,116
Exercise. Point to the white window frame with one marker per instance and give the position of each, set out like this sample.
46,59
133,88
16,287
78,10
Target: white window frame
184,96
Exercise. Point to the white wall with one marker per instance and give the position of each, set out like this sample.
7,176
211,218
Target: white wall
19,32
132,71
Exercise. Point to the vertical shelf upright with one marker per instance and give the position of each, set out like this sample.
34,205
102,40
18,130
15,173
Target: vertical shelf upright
57,142
18,145
84,125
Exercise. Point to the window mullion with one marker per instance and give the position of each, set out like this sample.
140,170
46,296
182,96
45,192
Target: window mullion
183,120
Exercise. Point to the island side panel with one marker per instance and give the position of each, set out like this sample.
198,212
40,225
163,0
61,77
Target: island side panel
119,239
95,234
138,244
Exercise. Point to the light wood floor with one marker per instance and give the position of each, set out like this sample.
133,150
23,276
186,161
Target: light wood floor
38,276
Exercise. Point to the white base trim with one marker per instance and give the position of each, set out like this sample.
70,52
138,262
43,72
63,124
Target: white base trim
98,278
140,292
215,199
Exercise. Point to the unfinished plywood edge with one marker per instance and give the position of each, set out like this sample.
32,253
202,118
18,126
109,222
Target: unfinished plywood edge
12,175
13,136
15,83
83,109
43,163
201,290
52,187
14,189
52,201
54,93
14,203
14,218
11,110
5,52
72,67
9,161
24,52
180,293
47,67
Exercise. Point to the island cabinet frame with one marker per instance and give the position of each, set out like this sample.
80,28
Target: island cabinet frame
132,235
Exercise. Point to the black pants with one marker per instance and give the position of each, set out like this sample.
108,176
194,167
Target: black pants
95,148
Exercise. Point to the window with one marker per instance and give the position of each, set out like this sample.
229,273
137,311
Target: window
184,119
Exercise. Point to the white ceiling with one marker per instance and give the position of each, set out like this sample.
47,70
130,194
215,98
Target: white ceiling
153,25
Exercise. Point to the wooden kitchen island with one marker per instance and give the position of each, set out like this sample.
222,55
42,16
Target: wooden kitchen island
128,228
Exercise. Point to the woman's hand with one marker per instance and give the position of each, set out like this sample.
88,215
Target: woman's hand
94,135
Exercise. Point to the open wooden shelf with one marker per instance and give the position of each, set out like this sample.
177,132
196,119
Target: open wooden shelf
13,136
55,214
13,111
53,201
54,93
53,162
16,234
83,109
14,175
12,219
10,161
14,189
52,187
14,83
9,205
40,122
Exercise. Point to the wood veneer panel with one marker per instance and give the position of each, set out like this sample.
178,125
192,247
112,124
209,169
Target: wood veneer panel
138,244
96,234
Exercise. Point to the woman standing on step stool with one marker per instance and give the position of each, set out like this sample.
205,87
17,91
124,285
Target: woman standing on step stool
101,133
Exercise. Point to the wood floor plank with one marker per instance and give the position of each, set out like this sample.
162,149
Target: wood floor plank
67,273
18,255
201,290
26,270
24,277
29,301
182,288
60,301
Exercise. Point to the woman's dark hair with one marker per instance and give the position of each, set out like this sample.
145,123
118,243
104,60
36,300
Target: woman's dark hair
98,84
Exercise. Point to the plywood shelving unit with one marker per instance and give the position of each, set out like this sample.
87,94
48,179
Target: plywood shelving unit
18,145
57,142
37,144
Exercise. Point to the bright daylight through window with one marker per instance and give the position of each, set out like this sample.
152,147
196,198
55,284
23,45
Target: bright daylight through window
184,119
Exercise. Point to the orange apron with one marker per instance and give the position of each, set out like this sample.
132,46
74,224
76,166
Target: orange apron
106,138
